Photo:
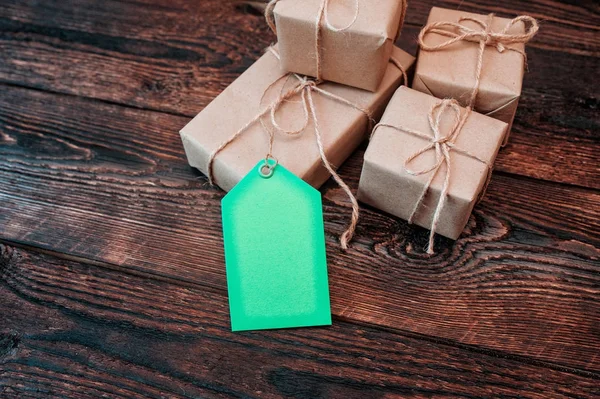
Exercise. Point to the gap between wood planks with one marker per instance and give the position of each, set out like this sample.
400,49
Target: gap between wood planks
165,112
355,162
406,333
530,223
76,327
551,108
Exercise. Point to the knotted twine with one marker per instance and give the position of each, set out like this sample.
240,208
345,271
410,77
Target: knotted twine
305,88
444,144
323,18
458,32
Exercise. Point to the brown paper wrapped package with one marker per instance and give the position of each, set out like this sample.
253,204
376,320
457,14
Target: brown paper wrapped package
356,57
342,127
386,184
450,72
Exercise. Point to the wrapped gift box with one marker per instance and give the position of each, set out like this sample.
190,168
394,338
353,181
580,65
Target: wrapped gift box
387,184
357,56
342,126
450,72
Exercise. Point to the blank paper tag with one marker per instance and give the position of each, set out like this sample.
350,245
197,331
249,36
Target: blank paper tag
275,252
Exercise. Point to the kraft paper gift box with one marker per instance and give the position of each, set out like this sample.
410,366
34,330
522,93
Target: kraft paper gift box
449,72
342,126
386,183
356,56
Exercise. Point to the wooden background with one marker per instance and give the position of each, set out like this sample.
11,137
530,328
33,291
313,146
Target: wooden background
112,278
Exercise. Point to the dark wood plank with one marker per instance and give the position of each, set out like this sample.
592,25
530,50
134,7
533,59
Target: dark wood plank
80,331
162,55
524,264
111,184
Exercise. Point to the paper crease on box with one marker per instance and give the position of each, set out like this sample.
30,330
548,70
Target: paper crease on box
420,83
386,184
356,56
448,65
343,128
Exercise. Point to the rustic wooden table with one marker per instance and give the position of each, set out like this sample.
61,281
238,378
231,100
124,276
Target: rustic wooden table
112,277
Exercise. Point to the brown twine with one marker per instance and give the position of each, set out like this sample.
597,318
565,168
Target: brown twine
402,18
442,145
323,14
322,17
305,88
396,62
484,37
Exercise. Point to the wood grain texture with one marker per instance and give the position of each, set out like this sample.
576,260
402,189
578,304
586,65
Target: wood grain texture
79,331
130,301
111,184
162,55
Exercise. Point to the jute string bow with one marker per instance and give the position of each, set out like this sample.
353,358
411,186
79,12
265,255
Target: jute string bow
323,19
484,36
305,87
442,145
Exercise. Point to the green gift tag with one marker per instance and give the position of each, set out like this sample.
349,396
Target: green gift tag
275,252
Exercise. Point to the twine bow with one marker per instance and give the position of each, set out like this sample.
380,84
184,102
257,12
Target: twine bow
322,18
442,145
305,88
502,40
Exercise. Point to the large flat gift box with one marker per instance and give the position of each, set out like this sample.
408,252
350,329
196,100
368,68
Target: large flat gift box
386,183
343,127
356,56
450,71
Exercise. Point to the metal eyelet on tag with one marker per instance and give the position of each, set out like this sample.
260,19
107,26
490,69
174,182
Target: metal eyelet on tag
267,169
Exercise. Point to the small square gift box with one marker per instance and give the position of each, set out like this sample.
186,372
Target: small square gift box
429,161
305,121
343,41
478,60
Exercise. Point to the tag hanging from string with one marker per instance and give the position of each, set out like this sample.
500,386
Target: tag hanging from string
275,251
273,227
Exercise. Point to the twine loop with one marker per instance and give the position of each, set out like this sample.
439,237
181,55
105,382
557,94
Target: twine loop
442,145
437,141
305,87
484,35
457,32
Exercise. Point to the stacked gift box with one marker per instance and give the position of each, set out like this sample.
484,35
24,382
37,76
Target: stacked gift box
312,98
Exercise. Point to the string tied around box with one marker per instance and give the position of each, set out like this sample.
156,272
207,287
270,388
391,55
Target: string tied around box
484,36
304,87
442,145
322,19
